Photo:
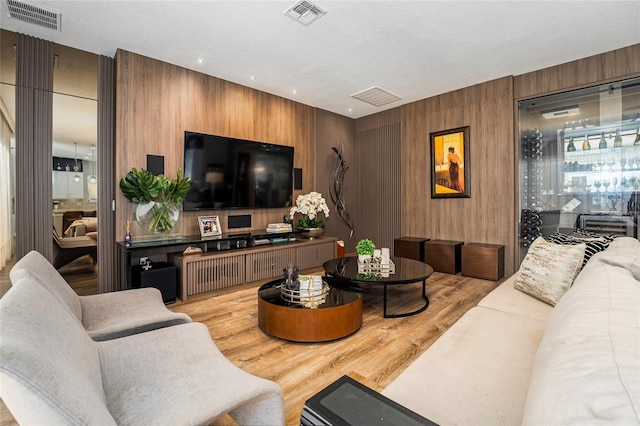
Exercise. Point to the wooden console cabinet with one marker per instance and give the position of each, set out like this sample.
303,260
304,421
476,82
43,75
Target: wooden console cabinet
409,247
443,255
484,261
215,270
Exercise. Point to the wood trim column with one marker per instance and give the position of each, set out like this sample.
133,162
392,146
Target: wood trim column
107,280
34,128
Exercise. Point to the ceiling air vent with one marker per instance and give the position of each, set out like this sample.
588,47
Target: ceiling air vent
35,15
304,12
376,96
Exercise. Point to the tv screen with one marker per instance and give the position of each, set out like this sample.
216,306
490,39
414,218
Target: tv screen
228,173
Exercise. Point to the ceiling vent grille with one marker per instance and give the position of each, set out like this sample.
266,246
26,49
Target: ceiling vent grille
376,96
35,15
305,12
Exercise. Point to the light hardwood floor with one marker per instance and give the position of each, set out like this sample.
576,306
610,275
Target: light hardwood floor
377,353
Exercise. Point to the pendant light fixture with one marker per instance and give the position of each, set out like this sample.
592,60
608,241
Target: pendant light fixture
93,179
76,178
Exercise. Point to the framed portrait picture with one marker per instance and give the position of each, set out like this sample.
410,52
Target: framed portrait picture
450,176
209,226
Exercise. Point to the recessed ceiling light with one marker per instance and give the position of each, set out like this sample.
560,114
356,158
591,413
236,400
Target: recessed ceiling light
200,60
294,91
253,77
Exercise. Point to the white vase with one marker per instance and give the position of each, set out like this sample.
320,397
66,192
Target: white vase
363,257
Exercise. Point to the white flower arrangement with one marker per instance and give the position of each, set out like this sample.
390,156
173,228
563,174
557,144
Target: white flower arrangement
310,206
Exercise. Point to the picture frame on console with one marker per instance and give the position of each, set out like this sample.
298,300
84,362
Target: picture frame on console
450,166
209,226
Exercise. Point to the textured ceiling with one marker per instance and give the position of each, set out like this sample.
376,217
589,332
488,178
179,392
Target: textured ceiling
412,49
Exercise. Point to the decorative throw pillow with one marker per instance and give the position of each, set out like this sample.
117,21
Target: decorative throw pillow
595,242
584,233
548,269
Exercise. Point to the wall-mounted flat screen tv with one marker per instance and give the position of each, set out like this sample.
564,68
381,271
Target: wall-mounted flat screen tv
228,173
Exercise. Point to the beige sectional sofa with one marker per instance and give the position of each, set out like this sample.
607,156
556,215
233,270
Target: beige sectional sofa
119,358
516,360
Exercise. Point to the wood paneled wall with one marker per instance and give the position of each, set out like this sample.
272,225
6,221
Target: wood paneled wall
156,102
489,215
614,65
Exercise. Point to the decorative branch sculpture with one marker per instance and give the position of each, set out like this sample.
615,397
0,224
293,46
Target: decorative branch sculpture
336,188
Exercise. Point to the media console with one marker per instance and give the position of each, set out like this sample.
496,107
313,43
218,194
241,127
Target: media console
228,260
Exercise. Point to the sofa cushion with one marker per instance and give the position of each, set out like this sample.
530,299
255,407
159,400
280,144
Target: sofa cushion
36,267
587,368
624,252
595,243
177,375
474,373
111,315
506,298
50,369
548,269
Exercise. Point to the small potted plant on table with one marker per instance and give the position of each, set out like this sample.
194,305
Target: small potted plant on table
365,249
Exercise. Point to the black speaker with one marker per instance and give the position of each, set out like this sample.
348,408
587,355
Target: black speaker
297,178
161,275
239,221
155,164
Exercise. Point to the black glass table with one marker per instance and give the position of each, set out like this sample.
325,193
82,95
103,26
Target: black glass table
349,402
407,271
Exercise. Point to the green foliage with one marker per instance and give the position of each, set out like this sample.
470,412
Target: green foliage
365,246
306,223
141,186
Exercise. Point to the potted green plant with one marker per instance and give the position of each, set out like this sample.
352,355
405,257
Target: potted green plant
159,199
365,249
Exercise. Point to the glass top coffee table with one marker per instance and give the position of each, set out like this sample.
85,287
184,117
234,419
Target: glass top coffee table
407,271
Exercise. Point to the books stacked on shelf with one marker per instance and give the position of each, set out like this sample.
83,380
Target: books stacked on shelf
279,228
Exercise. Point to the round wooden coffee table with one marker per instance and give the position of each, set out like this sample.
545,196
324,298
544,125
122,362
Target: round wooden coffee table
339,316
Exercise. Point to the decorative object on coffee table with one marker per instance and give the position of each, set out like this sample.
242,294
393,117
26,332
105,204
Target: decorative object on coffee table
365,249
310,206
